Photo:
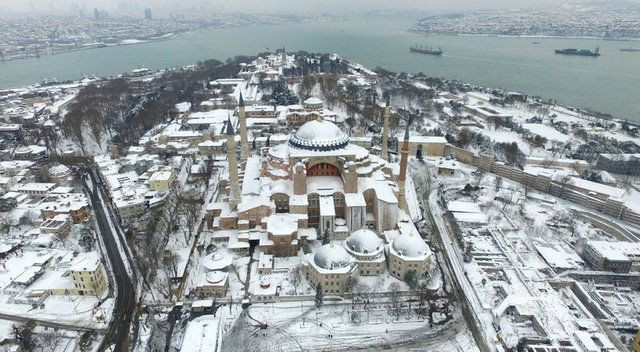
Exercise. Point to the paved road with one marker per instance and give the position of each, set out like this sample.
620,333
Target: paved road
451,264
125,293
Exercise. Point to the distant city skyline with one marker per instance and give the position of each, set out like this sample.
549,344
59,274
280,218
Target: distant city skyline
290,6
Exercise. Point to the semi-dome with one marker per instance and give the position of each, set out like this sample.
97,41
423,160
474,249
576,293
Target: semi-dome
319,134
410,245
364,241
331,256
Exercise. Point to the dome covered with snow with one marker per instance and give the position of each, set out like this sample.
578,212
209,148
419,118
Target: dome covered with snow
216,277
313,101
410,245
331,256
217,260
364,241
319,134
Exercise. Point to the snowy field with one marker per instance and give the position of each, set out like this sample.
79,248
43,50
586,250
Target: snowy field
295,327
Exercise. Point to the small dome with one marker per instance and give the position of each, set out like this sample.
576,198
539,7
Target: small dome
410,245
265,281
364,241
313,101
217,260
319,134
216,277
331,256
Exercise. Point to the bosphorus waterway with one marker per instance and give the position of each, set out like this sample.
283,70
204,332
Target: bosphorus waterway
609,83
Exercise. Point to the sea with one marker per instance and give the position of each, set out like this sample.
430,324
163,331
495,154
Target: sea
608,84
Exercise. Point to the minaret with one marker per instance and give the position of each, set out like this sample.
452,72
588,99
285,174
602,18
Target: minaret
244,152
234,186
385,132
283,58
402,200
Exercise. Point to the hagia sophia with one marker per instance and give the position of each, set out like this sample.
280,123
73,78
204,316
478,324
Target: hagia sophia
320,188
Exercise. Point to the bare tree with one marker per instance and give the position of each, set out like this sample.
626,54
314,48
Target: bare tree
51,340
189,207
296,276
7,221
394,297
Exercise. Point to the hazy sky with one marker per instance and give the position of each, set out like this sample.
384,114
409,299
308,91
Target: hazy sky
334,6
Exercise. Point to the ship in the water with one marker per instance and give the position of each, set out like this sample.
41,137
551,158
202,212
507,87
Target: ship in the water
579,52
630,49
425,50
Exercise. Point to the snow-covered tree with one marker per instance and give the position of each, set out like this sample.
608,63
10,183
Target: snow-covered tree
85,240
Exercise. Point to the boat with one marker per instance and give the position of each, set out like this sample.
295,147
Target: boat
425,50
579,52
536,43
630,49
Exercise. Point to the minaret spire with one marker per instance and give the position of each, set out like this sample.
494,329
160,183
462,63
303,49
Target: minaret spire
283,57
385,131
234,183
244,141
402,200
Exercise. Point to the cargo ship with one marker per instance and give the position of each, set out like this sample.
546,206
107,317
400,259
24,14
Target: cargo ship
425,50
579,52
630,49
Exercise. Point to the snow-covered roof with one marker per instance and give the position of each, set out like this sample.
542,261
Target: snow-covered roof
591,341
354,200
596,187
281,224
313,101
616,251
319,133
473,218
215,278
202,334
326,206
86,262
217,260
463,207
558,258
410,245
33,187
183,107
364,241
331,256
427,140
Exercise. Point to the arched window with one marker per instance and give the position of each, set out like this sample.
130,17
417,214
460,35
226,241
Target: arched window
323,169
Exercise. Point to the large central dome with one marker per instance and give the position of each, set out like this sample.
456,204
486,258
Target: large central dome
319,135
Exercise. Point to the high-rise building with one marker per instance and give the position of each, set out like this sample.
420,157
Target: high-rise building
147,14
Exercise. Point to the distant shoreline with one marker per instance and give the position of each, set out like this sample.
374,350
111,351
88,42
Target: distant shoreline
102,46
532,36
161,38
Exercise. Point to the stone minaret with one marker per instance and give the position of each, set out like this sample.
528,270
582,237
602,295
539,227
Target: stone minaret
283,57
244,152
234,185
402,200
299,179
385,132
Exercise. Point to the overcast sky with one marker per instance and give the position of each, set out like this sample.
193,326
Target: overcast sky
334,6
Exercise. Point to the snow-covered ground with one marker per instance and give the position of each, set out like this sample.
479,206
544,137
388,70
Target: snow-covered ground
337,327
